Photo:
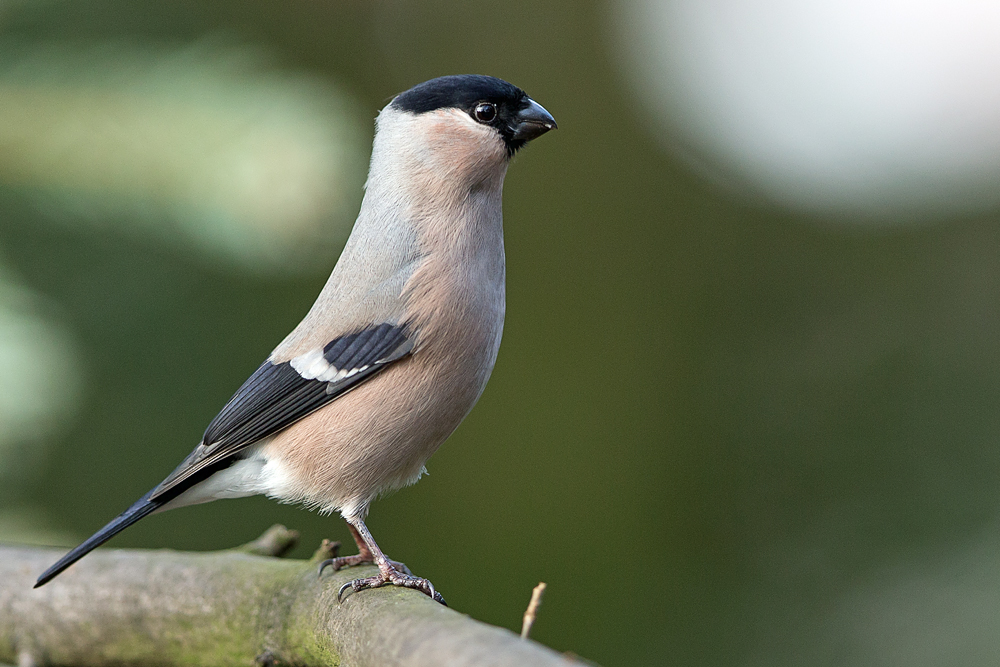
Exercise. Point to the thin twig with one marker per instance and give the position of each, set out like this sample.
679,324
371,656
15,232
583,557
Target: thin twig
532,612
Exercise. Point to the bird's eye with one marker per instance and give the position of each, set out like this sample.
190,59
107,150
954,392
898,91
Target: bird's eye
485,112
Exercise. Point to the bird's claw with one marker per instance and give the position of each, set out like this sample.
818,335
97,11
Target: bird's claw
325,564
393,578
340,593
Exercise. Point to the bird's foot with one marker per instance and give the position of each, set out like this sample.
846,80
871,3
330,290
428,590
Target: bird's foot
392,576
338,562
389,571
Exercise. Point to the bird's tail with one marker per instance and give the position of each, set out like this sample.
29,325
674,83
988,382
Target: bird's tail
142,507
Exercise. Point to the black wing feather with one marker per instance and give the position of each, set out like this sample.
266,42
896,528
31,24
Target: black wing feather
276,396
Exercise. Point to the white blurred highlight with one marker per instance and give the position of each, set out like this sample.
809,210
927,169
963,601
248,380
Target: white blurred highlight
203,144
882,108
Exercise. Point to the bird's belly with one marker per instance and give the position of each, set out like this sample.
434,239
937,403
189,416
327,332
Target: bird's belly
378,437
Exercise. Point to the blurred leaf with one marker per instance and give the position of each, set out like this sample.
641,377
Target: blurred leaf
201,143
40,382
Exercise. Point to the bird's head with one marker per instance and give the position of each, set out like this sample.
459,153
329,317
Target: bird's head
464,128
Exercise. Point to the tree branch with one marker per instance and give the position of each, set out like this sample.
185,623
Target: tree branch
119,607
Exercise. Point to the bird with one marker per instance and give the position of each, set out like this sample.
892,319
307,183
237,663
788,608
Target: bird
399,344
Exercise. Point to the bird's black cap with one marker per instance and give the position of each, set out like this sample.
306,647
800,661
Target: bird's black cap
517,119
462,91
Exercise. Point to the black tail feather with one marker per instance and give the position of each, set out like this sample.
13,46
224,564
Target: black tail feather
141,508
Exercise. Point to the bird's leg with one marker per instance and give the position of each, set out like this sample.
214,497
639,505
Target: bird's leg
363,557
389,572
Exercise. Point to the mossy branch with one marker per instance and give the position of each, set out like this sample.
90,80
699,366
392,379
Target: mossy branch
237,607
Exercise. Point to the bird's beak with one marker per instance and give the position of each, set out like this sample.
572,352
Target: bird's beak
533,121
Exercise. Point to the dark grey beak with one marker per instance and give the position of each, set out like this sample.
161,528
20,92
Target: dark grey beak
533,121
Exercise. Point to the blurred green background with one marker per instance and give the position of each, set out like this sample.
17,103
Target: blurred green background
723,431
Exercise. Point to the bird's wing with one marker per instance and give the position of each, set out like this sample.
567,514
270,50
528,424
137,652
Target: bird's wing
279,394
